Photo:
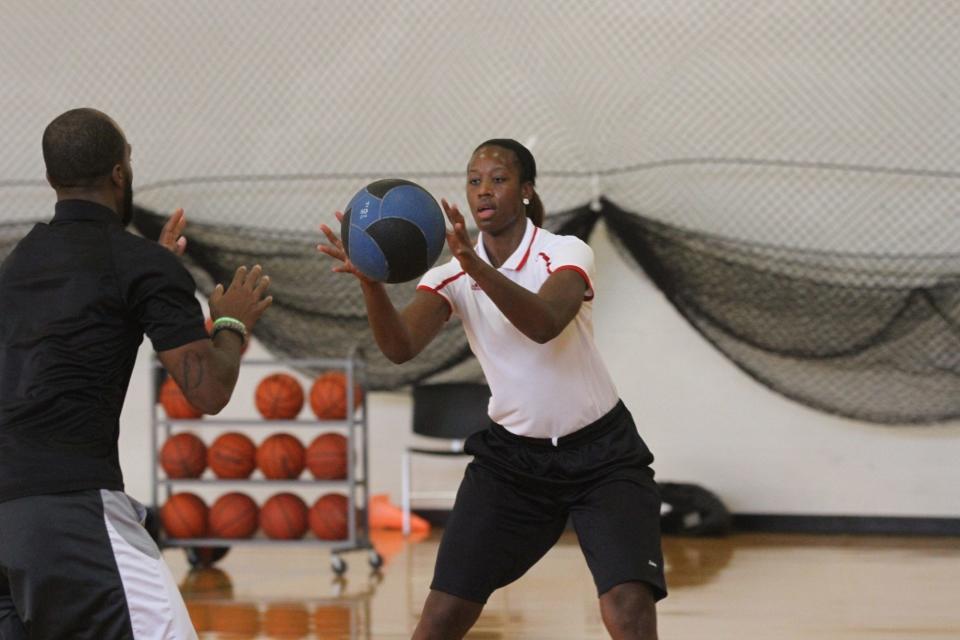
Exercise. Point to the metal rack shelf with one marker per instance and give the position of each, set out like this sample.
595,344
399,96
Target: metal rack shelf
253,422
337,545
259,481
355,484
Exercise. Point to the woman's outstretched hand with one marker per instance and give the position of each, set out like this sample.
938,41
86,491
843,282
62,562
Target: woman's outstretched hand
458,239
334,249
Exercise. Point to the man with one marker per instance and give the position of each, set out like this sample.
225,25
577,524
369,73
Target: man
76,297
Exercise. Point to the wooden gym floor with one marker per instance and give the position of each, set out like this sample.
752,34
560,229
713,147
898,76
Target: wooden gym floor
770,587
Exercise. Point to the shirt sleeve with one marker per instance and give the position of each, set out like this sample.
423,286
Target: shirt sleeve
439,280
574,254
161,295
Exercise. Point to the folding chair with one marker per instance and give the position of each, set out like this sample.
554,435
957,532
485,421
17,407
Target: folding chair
448,411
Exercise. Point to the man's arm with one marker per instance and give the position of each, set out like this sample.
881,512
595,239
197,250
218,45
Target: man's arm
206,370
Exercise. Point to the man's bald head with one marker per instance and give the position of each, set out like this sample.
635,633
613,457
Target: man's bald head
81,147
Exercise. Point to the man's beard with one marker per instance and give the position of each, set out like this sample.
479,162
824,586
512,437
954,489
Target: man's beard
126,211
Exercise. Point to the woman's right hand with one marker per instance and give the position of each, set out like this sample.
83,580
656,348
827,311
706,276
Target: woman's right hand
336,251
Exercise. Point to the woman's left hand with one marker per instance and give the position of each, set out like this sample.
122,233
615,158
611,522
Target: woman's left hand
458,239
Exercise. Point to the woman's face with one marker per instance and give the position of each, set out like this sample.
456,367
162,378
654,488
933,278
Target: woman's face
494,191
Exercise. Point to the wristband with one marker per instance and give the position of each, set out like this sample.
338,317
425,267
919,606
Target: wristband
226,323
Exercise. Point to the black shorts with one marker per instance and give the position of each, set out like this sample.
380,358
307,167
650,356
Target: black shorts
80,565
518,493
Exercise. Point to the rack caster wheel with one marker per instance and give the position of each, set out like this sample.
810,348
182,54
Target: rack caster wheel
375,559
338,565
205,556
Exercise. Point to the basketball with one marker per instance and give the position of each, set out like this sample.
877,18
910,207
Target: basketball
209,325
328,396
183,455
328,517
284,517
175,403
232,456
393,230
279,396
184,515
233,515
281,457
327,457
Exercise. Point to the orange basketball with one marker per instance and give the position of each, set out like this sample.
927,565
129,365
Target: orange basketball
287,620
284,516
279,396
280,457
328,396
233,515
184,515
209,325
183,456
327,457
232,455
175,403
328,517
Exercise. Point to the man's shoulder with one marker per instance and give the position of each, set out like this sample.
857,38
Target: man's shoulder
131,247
127,237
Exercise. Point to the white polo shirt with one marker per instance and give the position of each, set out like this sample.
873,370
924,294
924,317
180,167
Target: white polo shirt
538,390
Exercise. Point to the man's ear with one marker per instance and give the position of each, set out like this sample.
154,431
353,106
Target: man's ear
118,175
50,182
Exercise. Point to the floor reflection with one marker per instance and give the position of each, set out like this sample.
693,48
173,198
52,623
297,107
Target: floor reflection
217,612
741,586
695,561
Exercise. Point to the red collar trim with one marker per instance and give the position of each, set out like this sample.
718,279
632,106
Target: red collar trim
526,255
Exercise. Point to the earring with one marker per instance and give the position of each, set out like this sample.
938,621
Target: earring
526,201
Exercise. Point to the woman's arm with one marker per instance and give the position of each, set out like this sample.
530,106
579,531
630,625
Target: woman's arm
540,316
401,335
404,334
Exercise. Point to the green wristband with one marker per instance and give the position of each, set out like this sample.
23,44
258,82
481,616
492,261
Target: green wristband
227,320
226,323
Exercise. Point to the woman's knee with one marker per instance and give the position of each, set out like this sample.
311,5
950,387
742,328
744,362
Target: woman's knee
446,617
629,611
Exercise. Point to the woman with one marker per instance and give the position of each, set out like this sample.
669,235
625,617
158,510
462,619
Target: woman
561,444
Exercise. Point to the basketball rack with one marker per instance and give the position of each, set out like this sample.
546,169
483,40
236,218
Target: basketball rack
206,551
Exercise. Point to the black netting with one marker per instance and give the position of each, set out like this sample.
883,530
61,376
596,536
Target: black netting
872,337
318,313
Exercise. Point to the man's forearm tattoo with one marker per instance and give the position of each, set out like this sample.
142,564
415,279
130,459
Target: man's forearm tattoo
193,371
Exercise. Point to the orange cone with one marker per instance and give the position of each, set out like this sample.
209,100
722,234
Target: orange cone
384,515
390,542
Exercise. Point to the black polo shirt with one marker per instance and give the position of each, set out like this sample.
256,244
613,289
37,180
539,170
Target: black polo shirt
76,297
